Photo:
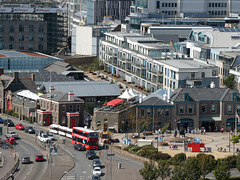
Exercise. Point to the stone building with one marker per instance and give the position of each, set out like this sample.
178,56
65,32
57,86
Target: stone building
60,108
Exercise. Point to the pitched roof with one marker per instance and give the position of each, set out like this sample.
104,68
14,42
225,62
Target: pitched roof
86,88
154,101
58,96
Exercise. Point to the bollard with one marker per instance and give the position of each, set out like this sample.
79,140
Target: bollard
119,165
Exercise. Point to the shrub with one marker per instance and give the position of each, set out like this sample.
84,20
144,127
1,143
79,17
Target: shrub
128,147
149,147
119,147
159,156
134,149
231,161
145,152
178,158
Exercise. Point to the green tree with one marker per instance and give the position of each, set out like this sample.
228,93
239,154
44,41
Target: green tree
149,172
206,164
178,173
230,82
238,162
222,170
163,169
235,140
192,169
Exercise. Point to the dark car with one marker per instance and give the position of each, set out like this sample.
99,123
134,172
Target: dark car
29,129
8,122
79,147
91,154
97,163
1,120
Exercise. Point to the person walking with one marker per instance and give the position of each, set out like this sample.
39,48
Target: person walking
222,130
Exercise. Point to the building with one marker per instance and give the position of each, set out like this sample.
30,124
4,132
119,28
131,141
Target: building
202,12
115,10
60,108
32,26
190,108
150,64
22,61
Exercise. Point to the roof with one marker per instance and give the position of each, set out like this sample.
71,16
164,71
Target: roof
58,96
13,53
86,88
59,67
154,101
28,94
84,129
126,95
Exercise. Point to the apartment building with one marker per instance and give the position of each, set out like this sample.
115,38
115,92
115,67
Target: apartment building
32,26
150,64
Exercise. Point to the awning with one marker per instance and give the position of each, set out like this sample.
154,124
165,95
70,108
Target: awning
208,118
114,102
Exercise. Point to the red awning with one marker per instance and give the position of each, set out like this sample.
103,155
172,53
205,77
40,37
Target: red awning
114,102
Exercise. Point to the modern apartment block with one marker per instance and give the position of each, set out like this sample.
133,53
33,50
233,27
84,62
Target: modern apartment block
150,64
98,9
32,26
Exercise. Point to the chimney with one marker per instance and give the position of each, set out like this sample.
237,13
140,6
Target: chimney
70,96
169,93
16,77
33,77
51,89
1,71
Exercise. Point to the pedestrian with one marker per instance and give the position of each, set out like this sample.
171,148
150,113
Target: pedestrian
222,130
231,132
204,131
12,176
14,156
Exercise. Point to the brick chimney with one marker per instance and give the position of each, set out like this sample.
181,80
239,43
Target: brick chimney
51,89
71,96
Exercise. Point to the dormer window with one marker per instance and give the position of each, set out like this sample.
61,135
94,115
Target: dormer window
186,97
234,97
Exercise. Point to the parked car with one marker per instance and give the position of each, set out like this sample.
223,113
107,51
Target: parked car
97,163
29,129
38,132
11,140
1,120
79,147
51,136
94,177
97,171
43,138
8,122
19,126
39,157
11,134
25,160
91,154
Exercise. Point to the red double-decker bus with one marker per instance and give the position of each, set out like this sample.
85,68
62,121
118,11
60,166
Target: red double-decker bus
86,137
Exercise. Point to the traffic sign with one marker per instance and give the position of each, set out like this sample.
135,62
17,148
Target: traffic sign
53,151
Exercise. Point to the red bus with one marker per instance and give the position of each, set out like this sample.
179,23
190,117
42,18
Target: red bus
86,137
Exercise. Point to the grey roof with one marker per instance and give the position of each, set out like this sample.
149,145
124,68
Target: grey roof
71,72
155,101
167,38
86,88
59,67
200,94
59,96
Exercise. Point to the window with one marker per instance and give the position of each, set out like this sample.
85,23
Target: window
229,108
40,28
203,108
203,75
160,112
55,108
158,4
142,112
31,28
186,97
78,108
167,113
213,109
70,108
40,37
192,75
11,28
190,109
31,37
234,97
31,46
21,37
238,109
149,112
21,28
11,37
181,109
63,108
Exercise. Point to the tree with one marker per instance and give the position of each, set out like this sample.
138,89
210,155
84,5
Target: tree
206,164
178,173
238,162
230,82
235,140
192,169
222,170
149,172
163,169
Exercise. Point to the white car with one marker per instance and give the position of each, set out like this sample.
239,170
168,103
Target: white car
43,138
97,171
51,136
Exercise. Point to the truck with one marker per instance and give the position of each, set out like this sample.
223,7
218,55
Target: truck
11,134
